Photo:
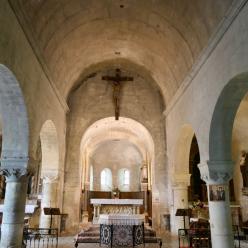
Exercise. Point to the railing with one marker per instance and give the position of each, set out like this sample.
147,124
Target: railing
40,237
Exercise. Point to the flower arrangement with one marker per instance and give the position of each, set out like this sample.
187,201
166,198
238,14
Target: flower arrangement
199,210
197,204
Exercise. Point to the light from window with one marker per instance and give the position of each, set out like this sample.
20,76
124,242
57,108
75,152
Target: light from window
126,177
106,180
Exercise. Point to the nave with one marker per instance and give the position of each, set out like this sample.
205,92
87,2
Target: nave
123,111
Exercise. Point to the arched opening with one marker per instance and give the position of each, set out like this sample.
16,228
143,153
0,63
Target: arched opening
14,157
228,138
182,151
112,154
197,189
223,144
181,177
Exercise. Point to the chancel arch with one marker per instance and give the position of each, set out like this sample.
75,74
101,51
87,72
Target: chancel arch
124,147
14,157
108,129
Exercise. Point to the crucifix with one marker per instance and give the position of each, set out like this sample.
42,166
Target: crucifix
117,82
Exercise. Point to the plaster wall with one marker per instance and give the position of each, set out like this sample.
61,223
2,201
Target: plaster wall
196,102
93,101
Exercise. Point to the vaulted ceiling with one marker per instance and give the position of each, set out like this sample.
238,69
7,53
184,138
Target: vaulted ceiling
161,37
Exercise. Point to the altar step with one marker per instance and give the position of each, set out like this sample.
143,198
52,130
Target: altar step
91,234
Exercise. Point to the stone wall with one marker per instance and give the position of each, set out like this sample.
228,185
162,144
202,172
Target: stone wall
93,101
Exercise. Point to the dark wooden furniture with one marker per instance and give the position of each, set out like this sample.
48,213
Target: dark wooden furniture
198,235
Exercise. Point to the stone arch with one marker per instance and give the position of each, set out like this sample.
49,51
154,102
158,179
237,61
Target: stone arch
14,119
182,151
220,135
50,149
108,129
14,157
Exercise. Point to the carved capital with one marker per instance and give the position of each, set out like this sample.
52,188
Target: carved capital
216,172
14,168
14,174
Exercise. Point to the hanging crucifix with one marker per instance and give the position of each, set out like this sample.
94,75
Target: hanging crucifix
117,82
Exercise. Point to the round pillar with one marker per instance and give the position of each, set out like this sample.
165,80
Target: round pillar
180,201
14,208
49,199
85,216
217,175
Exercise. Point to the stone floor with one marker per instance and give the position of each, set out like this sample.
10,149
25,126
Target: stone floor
168,242
66,242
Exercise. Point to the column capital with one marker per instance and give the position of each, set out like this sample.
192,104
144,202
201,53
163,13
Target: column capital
14,174
216,171
14,168
181,180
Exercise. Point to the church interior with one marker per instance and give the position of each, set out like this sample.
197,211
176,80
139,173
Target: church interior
124,123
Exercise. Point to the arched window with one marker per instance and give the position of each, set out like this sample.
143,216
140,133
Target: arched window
124,179
91,177
106,180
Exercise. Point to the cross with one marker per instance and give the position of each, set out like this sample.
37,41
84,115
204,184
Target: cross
116,82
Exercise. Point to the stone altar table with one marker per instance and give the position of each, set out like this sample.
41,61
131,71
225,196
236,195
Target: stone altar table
115,206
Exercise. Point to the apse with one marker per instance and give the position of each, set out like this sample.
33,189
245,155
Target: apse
123,159
115,147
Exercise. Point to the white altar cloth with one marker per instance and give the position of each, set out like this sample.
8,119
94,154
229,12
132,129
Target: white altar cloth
116,201
121,219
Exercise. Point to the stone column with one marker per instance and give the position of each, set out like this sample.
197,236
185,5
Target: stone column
85,203
180,200
49,199
217,175
144,188
14,206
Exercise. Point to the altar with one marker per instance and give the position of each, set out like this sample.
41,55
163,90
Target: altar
115,206
121,230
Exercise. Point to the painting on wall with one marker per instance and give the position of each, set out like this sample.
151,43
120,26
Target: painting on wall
217,192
